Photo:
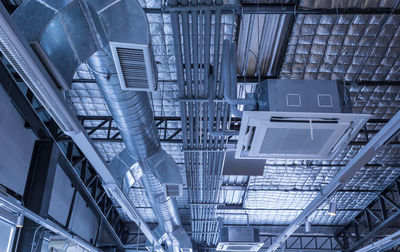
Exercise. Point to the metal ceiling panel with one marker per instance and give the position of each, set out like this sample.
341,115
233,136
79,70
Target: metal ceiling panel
341,46
231,196
279,200
234,180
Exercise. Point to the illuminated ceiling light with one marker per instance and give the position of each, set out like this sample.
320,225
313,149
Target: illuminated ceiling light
307,226
332,208
20,221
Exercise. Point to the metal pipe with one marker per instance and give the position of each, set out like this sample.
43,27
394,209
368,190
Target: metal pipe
233,86
180,73
290,8
207,42
188,72
179,67
196,74
228,73
211,130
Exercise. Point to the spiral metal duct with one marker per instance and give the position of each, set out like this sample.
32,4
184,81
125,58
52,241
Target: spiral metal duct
132,113
74,31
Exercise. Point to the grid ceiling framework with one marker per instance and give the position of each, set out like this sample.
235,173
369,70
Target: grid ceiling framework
348,47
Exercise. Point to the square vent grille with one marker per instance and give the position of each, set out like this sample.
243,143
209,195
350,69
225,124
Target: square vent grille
239,239
173,190
134,66
236,246
296,135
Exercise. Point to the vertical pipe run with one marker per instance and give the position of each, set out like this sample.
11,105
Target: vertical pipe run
196,75
204,168
188,72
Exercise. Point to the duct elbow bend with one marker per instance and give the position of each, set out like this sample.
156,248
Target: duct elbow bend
163,167
183,239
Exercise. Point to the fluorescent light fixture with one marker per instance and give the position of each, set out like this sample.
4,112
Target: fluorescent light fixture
307,226
332,208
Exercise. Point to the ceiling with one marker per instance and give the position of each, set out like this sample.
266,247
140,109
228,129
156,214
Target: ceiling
353,48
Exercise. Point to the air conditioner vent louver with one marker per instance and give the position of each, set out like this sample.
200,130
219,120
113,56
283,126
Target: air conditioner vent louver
134,66
235,239
296,135
239,247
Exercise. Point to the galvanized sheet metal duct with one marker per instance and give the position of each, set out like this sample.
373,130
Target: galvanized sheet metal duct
72,32
132,113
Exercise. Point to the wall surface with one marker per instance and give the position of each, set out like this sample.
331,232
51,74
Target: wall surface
83,221
61,197
16,146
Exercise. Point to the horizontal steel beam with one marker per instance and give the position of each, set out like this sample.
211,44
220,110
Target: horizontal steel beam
254,79
263,8
268,8
172,134
278,8
383,244
376,216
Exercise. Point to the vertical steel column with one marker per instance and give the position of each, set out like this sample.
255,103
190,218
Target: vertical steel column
38,190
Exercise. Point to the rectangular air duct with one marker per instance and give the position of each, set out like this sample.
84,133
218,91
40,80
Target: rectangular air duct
298,119
173,190
239,239
134,66
241,167
317,96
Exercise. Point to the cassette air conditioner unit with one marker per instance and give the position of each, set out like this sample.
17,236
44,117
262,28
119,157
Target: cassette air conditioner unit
235,239
298,119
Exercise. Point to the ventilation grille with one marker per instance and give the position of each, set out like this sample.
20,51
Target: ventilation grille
134,66
296,135
238,247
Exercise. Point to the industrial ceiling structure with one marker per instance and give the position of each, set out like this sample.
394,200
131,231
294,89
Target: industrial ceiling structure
150,162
